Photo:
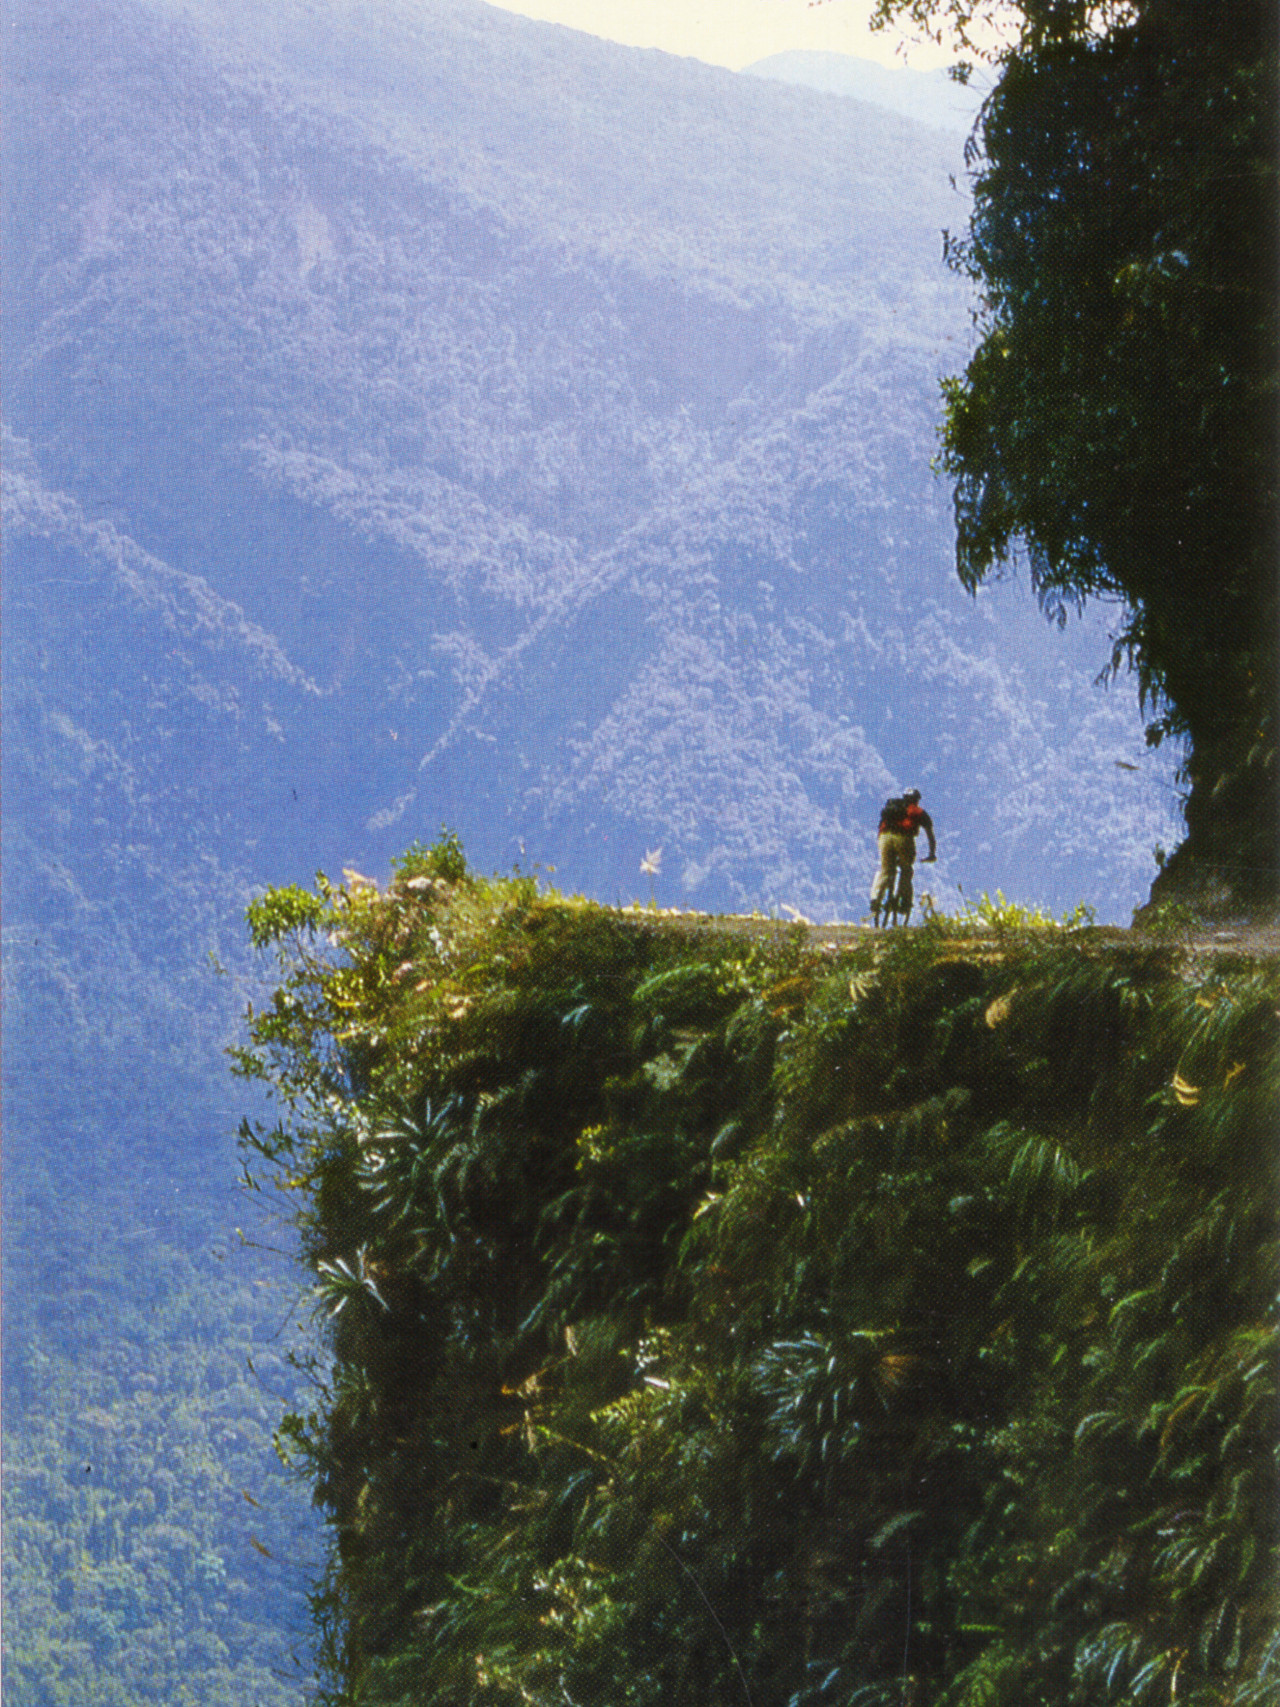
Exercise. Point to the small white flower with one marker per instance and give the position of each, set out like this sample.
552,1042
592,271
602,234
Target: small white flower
651,864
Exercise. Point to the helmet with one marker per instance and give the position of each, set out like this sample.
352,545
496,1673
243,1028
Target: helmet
912,794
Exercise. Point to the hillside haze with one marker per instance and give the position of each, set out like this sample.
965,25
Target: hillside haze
931,97
441,417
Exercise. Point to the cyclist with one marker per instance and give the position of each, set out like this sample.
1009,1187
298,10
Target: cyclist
901,821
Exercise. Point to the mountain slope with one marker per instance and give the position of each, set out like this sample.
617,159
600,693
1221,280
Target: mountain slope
497,355
929,97
448,417
418,414
547,425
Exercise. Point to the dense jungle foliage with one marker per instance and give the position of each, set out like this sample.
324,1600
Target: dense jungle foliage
1119,416
720,1314
154,1554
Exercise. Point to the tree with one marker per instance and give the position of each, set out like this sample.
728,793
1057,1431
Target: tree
1117,422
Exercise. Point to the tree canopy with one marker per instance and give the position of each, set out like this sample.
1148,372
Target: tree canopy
1117,421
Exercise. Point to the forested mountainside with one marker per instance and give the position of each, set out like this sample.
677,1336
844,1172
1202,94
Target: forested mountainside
412,413
153,1553
729,1314
424,415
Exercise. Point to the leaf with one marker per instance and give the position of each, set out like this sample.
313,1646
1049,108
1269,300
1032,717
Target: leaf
893,1527
1129,1301
1187,1094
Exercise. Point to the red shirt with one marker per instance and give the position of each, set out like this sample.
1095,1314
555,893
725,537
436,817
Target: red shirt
913,818
909,823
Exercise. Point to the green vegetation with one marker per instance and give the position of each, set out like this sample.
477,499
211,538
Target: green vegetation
717,1317
997,913
154,1553
1119,417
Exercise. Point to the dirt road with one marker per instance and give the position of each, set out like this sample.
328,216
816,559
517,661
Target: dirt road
1252,940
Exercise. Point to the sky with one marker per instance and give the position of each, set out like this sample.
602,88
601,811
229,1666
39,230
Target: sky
736,33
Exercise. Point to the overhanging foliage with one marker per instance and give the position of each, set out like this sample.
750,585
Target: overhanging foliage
1118,419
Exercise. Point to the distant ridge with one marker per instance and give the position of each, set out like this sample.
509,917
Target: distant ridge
422,416
931,97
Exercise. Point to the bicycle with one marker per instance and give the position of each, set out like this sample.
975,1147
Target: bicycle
896,905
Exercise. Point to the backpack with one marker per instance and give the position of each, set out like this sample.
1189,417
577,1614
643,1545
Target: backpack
893,814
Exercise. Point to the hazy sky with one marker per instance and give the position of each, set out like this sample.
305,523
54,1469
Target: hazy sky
734,32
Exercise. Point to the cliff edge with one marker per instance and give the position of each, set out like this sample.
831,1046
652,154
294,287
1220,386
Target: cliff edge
752,1315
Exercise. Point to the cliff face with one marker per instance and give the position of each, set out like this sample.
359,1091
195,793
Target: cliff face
721,1313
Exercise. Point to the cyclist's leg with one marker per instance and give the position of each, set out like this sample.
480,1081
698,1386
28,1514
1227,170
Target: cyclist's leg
906,894
882,887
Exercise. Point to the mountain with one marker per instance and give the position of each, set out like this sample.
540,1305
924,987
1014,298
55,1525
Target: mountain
466,419
414,414
930,97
